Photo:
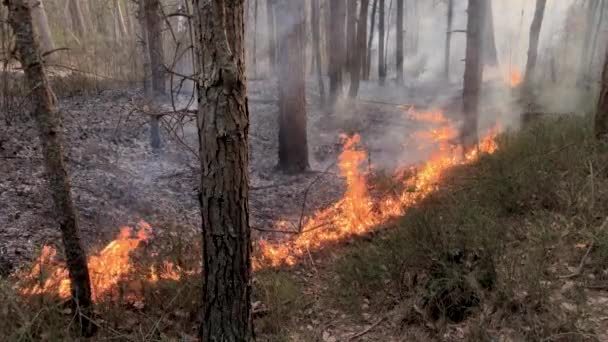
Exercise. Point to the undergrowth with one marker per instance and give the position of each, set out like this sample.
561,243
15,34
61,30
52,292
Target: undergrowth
491,245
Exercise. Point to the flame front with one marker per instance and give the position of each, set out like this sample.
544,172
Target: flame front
515,78
357,212
107,268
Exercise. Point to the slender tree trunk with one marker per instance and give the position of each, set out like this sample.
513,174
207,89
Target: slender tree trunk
223,123
315,17
601,116
489,45
78,24
399,44
255,38
388,34
271,34
120,19
50,128
592,9
293,146
337,57
448,41
473,73
351,34
41,24
381,65
145,51
155,44
596,36
129,20
359,55
533,46
368,54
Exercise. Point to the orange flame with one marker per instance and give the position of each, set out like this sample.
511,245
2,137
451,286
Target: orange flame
357,212
107,268
515,78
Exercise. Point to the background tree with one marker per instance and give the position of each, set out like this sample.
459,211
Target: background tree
337,57
41,25
77,18
271,34
448,40
315,24
293,146
490,55
601,116
359,55
473,72
223,124
533,47
399,43
381,30
368,51
50,129
153,15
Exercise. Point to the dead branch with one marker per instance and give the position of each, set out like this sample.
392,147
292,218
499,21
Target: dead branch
579,269
367,330
303,211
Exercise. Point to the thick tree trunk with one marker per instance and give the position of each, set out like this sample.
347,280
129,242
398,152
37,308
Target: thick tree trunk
50,128
293,146
41,24
78,23
448,40
223,124
473,73
533,46
490,56
601,116
155,44
368,51
381,30
358,56
315,17
399,43
337,57
271,34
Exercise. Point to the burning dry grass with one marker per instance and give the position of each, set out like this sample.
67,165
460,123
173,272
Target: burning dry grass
489,247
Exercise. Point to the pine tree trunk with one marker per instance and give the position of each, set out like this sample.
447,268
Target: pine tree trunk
155,44
381,30
223,122
359,58
315,17
337,57
473,73
533,46
489,44
351,34
78,23
448,40
293,146
601,116
50,128
368,51
271,34
399,44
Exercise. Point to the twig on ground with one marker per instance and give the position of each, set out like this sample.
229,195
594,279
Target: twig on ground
577,272
303,211
366,330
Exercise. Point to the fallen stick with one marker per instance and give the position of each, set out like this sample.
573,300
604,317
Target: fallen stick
367,330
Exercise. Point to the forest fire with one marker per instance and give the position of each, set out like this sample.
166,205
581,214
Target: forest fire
110,267
515,78
358,211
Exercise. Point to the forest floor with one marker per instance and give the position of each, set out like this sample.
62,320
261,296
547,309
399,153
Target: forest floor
511,249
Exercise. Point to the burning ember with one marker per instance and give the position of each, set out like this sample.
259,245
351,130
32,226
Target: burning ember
108,268
358,212
515,78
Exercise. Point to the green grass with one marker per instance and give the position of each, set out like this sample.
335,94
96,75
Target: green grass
495,236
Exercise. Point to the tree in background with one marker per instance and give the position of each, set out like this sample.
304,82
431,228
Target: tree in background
271,34
153,15
381,30
490,55
448,40
601,116
399,52
315,18
50,128
358,55
533,47
41,25
293,146
473,73
337,57
78,24
368,52
223,124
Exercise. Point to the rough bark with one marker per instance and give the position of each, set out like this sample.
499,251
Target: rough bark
41,24
293,146
490,56
448,40
601,116
223,124
473,73
399,43
337,57
271,34
358,57
50,129
78,23
155,44
533,46
381,30
315,23
368,51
